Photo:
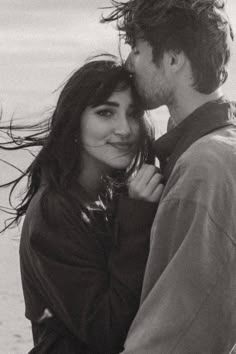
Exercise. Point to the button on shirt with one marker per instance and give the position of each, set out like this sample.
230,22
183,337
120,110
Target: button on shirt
188,303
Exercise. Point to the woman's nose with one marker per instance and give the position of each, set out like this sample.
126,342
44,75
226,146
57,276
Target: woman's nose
123,127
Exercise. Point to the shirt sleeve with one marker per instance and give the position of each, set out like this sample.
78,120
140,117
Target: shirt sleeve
95,297
188,298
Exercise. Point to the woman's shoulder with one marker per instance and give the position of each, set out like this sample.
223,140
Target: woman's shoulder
54,218
53,208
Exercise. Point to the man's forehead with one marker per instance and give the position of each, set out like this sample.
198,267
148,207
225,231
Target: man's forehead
137,40
133,37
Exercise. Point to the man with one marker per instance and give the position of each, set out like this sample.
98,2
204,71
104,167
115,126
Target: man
180,51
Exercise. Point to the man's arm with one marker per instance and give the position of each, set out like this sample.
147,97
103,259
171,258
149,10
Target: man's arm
189,300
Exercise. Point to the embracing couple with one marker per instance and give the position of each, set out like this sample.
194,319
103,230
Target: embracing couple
116,254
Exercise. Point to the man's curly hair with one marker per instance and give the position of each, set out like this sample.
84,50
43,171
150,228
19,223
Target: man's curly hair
199,28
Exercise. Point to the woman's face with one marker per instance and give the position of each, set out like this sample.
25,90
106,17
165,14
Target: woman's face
110,133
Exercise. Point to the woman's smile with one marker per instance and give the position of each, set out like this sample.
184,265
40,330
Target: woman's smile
123,146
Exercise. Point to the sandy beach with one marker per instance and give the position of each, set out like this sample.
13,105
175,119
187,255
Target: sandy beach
15,332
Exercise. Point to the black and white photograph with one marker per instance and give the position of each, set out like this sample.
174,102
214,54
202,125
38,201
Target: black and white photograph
118,177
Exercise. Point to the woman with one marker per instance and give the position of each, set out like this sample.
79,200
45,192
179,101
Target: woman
85,237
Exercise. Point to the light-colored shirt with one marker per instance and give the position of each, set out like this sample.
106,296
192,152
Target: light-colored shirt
188,303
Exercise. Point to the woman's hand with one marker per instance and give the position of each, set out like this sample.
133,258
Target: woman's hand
146,185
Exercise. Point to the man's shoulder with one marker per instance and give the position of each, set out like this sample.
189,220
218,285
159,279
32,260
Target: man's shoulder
208,164
213,151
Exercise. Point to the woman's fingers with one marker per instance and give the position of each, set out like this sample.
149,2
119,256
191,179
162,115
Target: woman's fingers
156,195
153,183
144,174
146,184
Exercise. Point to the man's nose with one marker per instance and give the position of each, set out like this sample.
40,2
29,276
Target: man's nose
128,63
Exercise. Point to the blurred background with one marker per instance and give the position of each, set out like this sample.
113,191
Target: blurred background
41,44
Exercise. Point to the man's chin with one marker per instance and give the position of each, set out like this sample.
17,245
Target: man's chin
149,105
148,102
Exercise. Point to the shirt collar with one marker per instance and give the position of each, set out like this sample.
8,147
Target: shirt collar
206,118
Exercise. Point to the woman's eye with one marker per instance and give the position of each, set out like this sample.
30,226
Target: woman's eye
105,113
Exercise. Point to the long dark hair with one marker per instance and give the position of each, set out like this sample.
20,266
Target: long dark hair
58,161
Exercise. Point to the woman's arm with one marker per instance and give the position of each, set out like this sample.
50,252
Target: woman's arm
96,299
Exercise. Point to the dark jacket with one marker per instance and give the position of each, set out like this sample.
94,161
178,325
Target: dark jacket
88,276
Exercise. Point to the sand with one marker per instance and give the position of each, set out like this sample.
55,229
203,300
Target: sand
15,331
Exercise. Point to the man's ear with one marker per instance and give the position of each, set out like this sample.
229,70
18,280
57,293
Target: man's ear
176,60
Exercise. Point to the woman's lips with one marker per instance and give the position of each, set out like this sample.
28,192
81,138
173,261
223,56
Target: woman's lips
122,146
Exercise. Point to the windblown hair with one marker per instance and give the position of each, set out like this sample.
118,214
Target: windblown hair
58,162
199,28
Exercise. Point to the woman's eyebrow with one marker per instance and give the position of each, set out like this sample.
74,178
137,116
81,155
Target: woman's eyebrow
111,103
116,104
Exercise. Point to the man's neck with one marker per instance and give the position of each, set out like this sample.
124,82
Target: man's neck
187,102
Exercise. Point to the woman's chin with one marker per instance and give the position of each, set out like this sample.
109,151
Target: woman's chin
121,164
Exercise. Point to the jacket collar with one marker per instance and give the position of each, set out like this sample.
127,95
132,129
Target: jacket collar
205,119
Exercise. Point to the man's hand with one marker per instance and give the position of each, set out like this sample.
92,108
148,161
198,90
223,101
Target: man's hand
146,185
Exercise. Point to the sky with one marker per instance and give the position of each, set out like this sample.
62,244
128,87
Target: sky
43,42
